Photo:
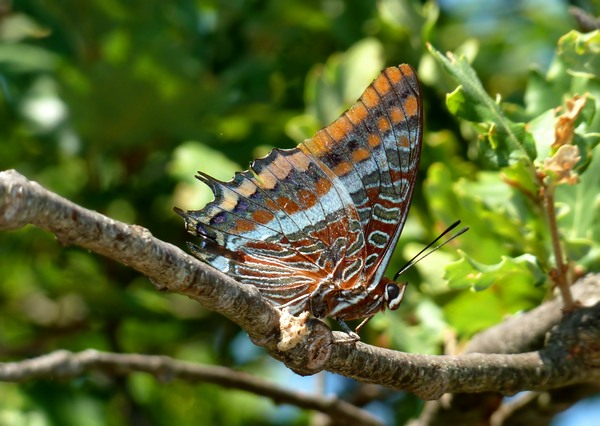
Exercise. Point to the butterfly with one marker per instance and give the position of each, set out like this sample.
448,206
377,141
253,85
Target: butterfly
313,228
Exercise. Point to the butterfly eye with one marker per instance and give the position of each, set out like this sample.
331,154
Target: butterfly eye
393,295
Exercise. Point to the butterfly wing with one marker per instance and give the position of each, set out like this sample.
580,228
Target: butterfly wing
374,148
284,227
330,210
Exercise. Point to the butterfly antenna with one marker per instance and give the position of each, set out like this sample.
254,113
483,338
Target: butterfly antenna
417,259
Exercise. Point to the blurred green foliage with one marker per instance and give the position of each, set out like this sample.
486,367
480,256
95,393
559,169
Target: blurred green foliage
116,105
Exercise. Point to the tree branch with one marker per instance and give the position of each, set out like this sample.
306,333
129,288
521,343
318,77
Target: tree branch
170,269
562,362
522,333
313,348
67,365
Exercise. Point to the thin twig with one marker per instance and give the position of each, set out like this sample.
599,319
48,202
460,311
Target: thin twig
560,275
586,21
66,365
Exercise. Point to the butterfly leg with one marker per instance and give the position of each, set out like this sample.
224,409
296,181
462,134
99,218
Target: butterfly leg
366,320
353,336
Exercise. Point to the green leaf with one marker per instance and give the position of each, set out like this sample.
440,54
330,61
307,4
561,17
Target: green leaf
496,213
542,130
587,130
188,158
521,176
515,288
332,87
422,335
583,251
302,127
581,52
473,311
583,201
506,141
21,58
542,94
468,273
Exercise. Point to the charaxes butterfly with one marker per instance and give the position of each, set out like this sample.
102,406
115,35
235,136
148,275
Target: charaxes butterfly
314,227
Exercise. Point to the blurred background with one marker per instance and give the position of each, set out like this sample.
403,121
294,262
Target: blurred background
115,105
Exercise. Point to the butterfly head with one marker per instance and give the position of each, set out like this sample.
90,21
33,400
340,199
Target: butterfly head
393,294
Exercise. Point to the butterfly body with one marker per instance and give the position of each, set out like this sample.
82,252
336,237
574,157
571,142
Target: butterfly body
314,227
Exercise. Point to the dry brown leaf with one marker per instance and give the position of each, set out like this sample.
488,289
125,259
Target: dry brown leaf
565,124
561,164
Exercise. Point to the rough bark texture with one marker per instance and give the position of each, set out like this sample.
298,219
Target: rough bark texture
547,326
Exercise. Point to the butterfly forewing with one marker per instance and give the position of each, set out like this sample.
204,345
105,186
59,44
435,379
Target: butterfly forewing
325,215
375,148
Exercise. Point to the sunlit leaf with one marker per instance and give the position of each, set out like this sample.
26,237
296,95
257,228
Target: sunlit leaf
191,157
581,52
467,273
26,58
522,177
506,141
333,87
583,221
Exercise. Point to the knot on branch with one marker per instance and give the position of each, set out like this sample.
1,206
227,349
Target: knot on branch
311,352
588,333
577,336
